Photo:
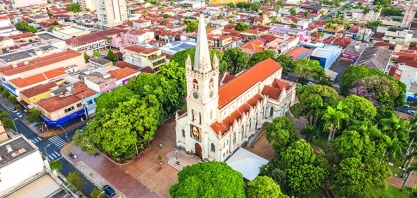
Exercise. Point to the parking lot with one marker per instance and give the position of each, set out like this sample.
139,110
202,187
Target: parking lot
340,66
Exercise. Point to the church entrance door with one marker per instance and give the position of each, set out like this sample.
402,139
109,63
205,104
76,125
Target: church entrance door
198,149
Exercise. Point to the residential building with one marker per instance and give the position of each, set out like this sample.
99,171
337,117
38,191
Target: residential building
6,42
220,120
140,36
326,56
354,50
99,82
31,96
174,47
253,47
144,57
100,62
68,32
23,3
23,171
220,42
398,37
93,41
375,58
6,27
299,53
141,23
111,12
123,75
40,70
219,24
87,5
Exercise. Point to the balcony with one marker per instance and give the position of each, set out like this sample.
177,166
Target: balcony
155,58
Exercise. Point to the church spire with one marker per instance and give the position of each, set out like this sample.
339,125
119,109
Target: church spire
202,56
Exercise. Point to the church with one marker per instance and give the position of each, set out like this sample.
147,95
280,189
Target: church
223,116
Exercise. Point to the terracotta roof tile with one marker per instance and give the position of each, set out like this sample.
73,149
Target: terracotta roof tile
34,91
395,72
24,82
299,52
122,73
56,103
93,37
243,82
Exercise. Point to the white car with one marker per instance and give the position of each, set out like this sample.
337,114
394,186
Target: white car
14,110
310,83
19,115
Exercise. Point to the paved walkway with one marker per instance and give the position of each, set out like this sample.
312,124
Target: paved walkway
183,158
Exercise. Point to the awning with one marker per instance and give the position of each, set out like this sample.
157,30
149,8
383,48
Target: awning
330,73
246,163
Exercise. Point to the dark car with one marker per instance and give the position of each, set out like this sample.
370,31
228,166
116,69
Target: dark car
109,191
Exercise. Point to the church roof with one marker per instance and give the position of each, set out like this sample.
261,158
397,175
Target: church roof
202,56
238,85
275,90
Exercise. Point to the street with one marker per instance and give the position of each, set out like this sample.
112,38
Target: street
50,147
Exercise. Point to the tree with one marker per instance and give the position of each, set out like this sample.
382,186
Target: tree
181,56
255,6
242,26
286,62
305,178
191,27
97,193
111,100
314,100
4,118
234,60
297,154
281,131
381,90
307,14
223,181
333,118
263,186
261,56
396,127
173,72
96,53
350,144
145,12
75,181
23,26
358,109
34,115
112,57
5,93
74,7
12,98
308,69
293,11
349,180
293,25
55,165
108,39
86,57
230,5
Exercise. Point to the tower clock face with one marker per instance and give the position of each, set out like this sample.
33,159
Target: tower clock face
211,94
195,95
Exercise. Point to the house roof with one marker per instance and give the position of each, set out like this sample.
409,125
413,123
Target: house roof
395,72
299,52
34,91
24,82
56,103
407,60
375,58
274,90
93,37
246,80
384,44
139,49
254,45
122,73
342,42
81,90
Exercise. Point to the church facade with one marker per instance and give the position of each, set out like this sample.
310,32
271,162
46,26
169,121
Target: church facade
222,116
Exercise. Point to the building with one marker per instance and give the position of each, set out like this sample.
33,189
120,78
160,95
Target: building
354,50
219,120
327,55
299,53
111,12
375,58
87,5
144,57
398,37
123,75
23,171
33,95
99,82
23,3
68,32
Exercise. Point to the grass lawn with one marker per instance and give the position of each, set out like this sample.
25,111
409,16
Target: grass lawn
390,192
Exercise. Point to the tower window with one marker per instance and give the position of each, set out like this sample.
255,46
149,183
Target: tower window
234,138
183,133
213,148
199,117
192,115
271,112
195,84
211,114
211,83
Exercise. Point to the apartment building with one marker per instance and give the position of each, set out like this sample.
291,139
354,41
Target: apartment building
25,3
144,57
398,37
87,5
27,74
111,12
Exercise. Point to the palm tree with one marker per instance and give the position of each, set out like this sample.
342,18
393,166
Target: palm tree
393,148
108,39
396,127
333,118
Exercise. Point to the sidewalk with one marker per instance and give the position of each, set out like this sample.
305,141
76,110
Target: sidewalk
109,171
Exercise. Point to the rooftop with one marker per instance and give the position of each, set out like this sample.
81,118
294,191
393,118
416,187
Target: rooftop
34,91
14,149
98,78
93,37
375,58
58,102
122,73
11,57
101,61
299,53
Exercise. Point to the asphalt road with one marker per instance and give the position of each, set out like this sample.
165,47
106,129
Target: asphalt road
50,148
331,14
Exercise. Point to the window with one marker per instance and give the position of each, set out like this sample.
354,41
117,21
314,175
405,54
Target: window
183,133
234,138
271,111
211,114
213,148
90,102
250,123
199,117
211,83
192,115
195,84
69,109
79,105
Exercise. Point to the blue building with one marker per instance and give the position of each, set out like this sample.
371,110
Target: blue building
327,55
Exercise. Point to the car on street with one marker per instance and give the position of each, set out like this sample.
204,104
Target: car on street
19,115
109,191
411,112
14,110
406,106
310,83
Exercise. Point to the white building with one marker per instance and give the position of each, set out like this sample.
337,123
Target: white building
25,3
111,12
219,120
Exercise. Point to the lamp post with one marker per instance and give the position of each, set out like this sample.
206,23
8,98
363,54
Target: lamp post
46,153
66,135
176,155
15,125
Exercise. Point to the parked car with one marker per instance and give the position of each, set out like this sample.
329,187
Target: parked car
109,191
407,106
14,110
411,112
19,115
310,83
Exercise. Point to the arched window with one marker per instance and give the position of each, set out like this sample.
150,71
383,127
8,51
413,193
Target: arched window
195,84
271,111
234,138
183,133
192,115
199,117
243,131
211,83
211,114
213,148
250,123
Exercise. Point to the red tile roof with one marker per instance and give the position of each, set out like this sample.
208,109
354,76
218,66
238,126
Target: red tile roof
298,51
56,103
139,49
81,90
274,91
395,72
342,42
34,91
255,46
246,80
121,73
24,82
93,37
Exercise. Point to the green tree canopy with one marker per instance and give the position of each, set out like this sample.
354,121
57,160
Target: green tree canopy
208,179
261,56
97,193
255,6
191,27
112,57
286,62
55,165
281,131
242,26
234,61
359,108
307,69
293,11
86,57
263,186
74,7
298,154
23,26
75,181
96,53
181,56
111,100
34,115
349,180
4,118
305,178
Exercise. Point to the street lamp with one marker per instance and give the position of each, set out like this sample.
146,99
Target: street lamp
46,153
15,125
176,155
66,135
